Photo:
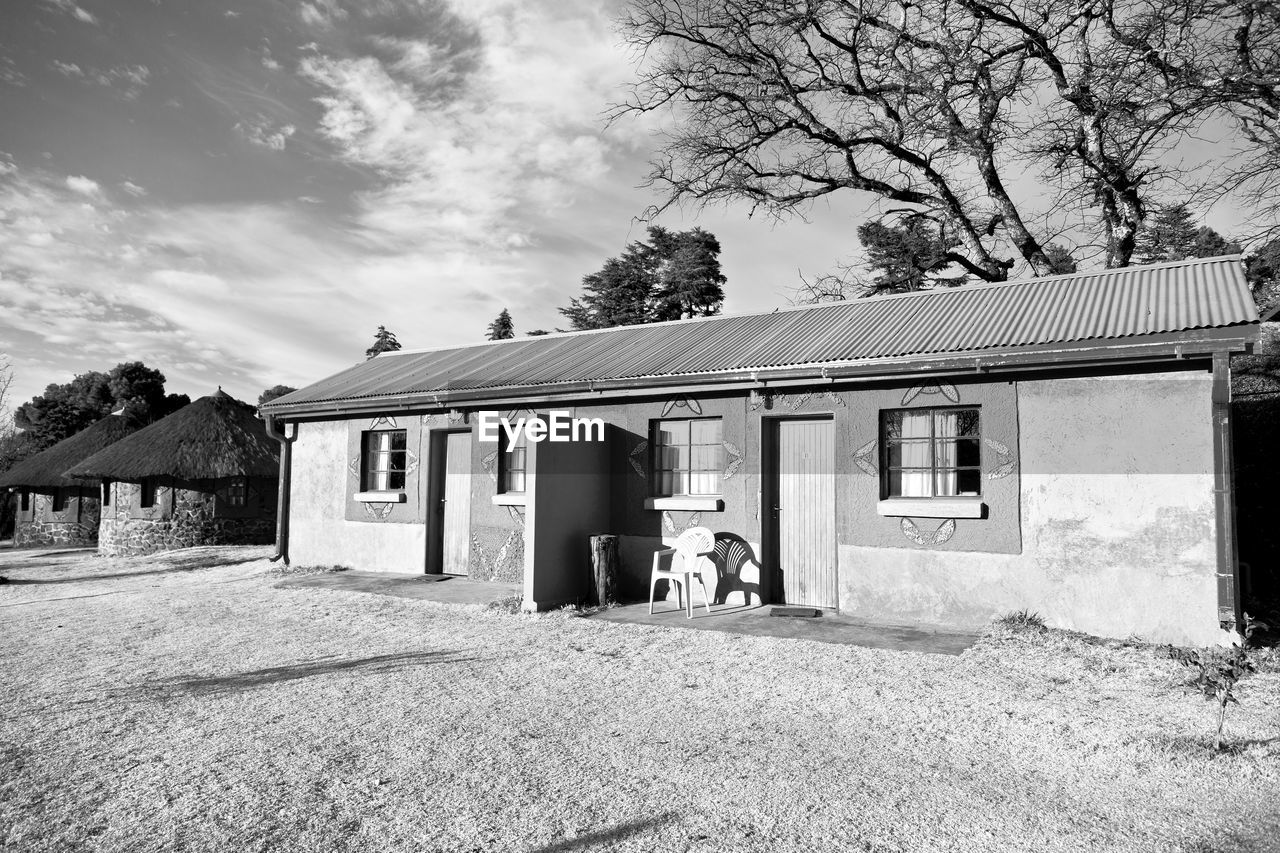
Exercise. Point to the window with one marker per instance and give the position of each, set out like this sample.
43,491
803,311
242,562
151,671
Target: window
511,465
237,491
384,461
931,453
24,500
147,493
106,493
688,457
59,500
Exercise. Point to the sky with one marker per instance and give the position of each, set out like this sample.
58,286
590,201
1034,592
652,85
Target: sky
240,193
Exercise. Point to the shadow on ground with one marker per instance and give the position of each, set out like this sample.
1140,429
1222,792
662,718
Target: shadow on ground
241,681
605,836
165,566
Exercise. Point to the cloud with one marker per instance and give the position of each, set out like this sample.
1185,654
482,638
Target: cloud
83,185
9,73
322,13
262,133
70,8
128,80
230,13
478,126
67,69
133,189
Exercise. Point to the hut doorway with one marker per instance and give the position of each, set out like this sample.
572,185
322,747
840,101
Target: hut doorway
448,531
800,474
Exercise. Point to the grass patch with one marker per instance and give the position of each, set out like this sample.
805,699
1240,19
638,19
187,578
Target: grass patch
1022,620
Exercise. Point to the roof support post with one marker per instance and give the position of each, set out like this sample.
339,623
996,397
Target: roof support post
1230,610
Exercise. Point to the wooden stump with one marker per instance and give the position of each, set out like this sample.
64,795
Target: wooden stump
604,570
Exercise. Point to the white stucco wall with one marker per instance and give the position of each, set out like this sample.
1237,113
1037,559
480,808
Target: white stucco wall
318,532
1117,521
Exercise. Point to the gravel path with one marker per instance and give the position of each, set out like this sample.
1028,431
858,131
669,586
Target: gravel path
183,702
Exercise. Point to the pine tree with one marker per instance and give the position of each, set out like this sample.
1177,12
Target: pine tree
383,341
1060,260
1172,235
903,257
675,275
502,329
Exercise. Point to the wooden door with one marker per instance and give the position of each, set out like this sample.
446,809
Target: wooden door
804,511
455,533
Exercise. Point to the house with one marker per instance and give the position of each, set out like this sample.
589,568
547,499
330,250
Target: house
204,475
1059,444
54,509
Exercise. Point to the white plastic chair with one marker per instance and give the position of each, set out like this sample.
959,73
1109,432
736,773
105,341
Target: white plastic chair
693,548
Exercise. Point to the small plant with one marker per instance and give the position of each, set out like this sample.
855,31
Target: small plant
1218,671
1022,620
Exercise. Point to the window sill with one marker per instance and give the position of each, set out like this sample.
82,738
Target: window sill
705,504
508,500
932,508
379,497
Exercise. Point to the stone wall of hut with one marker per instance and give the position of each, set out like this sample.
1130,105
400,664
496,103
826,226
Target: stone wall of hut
185,515
75,526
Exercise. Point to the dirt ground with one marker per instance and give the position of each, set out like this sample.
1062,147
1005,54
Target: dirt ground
185,702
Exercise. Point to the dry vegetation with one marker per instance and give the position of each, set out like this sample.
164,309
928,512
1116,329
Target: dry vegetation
186,703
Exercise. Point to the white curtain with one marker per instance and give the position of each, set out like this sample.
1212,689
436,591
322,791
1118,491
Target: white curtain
915,454
380,462
946,429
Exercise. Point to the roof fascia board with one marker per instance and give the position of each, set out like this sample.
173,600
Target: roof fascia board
1167,347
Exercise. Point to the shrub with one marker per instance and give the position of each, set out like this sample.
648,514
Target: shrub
1218,671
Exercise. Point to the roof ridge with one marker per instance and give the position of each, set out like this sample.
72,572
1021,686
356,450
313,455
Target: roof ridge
915,294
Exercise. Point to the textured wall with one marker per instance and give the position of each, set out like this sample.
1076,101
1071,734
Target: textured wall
75,525
1116,493
319,532
183,515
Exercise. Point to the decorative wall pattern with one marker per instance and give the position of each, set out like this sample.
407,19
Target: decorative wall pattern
793,402
675,528
639,454
680,401
733,459
1004,461
867,457
946,389
939,536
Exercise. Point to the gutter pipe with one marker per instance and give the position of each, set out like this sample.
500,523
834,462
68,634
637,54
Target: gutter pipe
282,489
1230,607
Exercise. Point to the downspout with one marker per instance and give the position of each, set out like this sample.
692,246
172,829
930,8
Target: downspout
282,489
1230,612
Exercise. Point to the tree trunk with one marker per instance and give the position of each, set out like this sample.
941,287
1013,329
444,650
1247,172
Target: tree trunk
604,570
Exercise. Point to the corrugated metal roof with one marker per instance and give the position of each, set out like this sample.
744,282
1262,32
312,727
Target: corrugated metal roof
1095,306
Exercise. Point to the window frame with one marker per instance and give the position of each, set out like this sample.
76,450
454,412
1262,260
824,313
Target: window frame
106,492
147,489
505,468
657,468
367,454
237,492
58,501
24,500
887,469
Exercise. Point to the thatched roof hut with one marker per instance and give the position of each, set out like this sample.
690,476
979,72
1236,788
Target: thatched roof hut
47,469
216,436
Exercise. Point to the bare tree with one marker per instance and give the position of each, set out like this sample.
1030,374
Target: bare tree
6,382
938,106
